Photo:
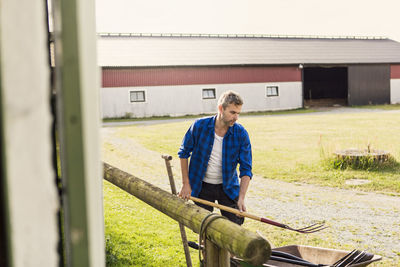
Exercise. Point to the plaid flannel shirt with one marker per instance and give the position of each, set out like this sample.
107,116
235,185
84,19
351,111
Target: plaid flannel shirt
236,149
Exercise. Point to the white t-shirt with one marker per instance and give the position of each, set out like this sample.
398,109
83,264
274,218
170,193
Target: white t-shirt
214,169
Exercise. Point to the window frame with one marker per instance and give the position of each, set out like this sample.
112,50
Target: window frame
272,94
137,91
214,90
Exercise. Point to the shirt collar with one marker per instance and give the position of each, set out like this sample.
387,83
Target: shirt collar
212,123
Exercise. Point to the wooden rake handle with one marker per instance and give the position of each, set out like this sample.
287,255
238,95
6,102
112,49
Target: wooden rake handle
305,230
236,211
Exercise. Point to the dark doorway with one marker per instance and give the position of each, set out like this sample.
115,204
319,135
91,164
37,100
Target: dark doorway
325,86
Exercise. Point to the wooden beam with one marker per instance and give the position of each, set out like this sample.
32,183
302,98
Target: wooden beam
239,241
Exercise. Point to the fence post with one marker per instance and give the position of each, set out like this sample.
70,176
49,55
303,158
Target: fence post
216,256
167,159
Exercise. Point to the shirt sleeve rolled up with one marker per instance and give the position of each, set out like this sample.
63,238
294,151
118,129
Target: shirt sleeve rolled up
187,145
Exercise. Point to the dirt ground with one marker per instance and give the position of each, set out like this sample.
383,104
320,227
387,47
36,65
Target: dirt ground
361,219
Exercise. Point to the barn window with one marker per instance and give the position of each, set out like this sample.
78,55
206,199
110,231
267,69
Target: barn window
209,93
272,91
138,96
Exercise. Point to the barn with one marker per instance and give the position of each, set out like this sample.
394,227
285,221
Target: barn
146,75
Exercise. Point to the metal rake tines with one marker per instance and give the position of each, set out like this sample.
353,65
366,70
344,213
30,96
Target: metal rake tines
316,227
305,230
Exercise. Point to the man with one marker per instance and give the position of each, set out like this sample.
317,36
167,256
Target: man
216,145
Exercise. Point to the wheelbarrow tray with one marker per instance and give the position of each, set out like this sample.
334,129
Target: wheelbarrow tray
315,255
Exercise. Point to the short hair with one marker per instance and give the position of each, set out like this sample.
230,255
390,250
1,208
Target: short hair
230,97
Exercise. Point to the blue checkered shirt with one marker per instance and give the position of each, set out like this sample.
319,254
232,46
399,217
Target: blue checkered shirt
236,149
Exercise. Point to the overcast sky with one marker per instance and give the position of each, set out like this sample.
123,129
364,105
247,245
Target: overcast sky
283,17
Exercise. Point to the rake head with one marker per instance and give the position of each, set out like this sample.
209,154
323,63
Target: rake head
316,227
305,230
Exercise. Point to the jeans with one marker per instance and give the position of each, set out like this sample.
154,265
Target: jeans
213,192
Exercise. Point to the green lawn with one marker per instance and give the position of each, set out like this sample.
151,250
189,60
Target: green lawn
139,235
295,147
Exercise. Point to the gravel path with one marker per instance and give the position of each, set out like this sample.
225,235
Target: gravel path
363,220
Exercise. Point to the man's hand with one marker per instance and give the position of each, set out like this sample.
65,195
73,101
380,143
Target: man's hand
185,192
241,205
244,184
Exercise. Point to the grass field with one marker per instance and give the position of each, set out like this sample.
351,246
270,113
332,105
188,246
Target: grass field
294,148
285,147
138,235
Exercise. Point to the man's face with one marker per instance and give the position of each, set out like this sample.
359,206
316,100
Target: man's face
230,114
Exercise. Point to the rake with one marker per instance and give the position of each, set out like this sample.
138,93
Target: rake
305,230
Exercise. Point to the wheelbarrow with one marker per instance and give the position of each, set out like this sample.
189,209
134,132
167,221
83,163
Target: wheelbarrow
296,255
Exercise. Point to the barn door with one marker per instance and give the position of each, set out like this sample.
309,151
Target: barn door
369,84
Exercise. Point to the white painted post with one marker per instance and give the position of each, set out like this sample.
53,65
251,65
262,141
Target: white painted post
78,85
28,177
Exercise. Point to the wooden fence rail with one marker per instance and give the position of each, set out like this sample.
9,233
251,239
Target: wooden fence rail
224,234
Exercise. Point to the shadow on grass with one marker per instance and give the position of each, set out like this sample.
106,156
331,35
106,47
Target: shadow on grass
384,107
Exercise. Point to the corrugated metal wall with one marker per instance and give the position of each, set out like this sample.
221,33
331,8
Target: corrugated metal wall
369,84
179,100
395,71
395,84
120,77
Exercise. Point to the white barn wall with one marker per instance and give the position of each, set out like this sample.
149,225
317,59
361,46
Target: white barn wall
290,96
187,99
395,91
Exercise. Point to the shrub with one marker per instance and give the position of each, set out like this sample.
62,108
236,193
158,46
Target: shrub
364,162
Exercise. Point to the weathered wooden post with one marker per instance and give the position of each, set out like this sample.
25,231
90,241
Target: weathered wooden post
216,256
167,159
239,241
